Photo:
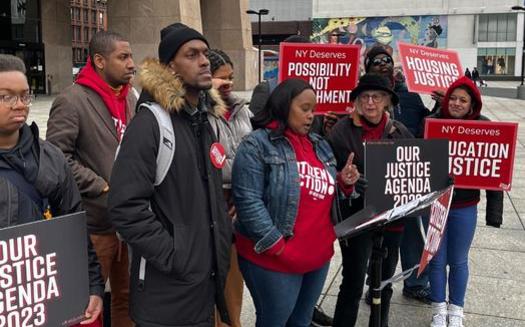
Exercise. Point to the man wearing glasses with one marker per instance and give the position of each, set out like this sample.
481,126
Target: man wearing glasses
33,170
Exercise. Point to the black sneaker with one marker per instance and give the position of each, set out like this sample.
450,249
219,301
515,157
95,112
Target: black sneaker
320,318
418,294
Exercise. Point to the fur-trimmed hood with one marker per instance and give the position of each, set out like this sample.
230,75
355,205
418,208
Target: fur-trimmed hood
168,90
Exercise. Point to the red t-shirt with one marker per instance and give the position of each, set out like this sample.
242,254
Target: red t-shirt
311,245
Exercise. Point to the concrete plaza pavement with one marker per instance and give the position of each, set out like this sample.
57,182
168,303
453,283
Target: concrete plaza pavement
496,291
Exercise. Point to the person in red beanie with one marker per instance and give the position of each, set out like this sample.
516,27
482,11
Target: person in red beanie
87,121
462,101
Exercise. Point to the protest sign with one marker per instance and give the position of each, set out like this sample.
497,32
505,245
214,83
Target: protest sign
481,153
436,227
399,171
332,70
428,69
44,272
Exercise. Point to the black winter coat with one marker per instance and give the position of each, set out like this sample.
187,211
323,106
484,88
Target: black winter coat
411,110
179,230
45,167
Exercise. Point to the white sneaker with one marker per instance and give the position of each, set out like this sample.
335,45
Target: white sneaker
439,314
455,316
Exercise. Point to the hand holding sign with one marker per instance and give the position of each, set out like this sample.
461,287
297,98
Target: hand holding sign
437,95
93,310
349,173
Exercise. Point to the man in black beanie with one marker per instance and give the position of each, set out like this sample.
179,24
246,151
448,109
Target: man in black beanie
174,220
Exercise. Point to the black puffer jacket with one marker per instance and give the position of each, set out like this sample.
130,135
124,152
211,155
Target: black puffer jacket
410,111
44,166
463,197
184,240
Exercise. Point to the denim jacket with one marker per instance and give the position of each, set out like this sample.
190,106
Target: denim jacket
265,183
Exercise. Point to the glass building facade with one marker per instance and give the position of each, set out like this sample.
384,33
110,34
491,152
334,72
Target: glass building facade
21,35
497,29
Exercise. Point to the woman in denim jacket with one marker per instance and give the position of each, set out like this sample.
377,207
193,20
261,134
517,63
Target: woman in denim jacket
284,188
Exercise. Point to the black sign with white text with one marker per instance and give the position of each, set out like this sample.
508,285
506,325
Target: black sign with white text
44,272
399,171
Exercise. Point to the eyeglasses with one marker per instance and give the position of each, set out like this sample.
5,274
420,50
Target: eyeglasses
12,100
378,61
376,97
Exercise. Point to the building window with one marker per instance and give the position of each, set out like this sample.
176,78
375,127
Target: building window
93,31
496,61
77,33
86,34
497,27
93,17
77,55
100,18
85,13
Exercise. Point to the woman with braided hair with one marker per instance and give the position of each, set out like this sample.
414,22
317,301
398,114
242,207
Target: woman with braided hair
229,129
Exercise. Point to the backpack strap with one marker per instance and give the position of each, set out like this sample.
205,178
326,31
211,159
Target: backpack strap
23,186
167,140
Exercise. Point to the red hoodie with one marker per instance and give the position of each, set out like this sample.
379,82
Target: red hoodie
460,200
465,82
313,234
115,100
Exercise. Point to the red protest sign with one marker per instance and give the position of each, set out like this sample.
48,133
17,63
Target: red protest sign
429,69
436,227
481,153
331,69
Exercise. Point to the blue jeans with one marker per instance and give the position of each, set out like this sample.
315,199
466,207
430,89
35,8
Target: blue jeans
453,252
411,248
283,299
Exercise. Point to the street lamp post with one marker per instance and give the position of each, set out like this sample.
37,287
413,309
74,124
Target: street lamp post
259,13
523,45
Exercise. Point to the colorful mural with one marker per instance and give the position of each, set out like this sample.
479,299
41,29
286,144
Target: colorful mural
386,31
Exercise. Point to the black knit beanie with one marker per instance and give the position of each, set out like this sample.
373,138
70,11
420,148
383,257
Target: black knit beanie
374,52
173,37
